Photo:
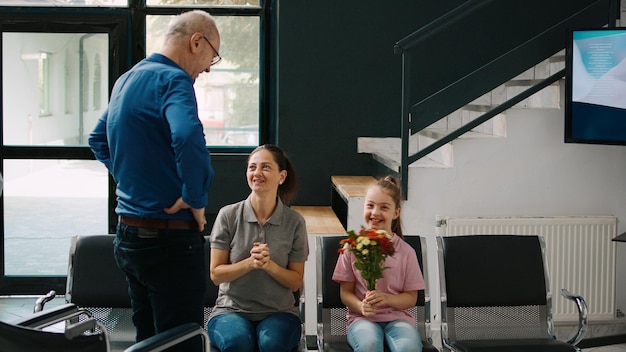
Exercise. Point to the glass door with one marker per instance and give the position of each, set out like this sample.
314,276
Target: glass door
56,79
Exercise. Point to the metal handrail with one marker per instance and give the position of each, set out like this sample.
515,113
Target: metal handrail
438,24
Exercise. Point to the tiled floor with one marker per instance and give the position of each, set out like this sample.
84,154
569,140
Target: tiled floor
12,308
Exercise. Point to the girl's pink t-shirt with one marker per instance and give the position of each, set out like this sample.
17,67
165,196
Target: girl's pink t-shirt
403,274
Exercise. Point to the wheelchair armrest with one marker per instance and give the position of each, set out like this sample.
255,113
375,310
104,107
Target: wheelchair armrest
171,337
41,301
77,329
49,316
582,316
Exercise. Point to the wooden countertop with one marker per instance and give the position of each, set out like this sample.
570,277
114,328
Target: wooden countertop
352,186
320,220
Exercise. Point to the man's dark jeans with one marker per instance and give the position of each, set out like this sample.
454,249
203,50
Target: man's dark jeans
167,278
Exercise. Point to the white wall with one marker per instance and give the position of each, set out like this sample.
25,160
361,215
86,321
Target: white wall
531,172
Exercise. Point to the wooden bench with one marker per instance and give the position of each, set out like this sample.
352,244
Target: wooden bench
320,220
348,194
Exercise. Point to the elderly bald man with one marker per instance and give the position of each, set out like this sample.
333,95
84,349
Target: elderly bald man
151,140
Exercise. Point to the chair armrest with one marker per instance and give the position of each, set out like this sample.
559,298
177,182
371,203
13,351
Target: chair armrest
582,316
319,327
41,301
171,337
78,328
49,316
301,304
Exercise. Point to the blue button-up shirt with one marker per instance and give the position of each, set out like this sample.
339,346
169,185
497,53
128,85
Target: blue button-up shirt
152,142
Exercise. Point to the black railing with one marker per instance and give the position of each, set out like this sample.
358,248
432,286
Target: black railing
477,47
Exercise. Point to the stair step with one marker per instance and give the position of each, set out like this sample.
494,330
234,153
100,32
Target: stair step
438,133
524,82
549,97
386,150
495,127
478,107
320,220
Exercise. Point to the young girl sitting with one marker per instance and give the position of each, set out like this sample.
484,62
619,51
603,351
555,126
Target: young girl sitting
382,314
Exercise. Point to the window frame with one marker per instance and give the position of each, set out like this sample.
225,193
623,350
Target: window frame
126,29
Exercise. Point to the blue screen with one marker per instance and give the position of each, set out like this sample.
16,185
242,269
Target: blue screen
596,105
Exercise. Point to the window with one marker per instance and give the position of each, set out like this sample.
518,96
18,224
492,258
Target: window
228,97
97,84
28,71
53,187
193,3
45,83
67,3
45,203
58,67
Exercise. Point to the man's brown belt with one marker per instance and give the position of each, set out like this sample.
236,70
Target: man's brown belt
159,224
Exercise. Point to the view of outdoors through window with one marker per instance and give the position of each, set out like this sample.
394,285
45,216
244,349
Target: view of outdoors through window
45,203
228,97
64,76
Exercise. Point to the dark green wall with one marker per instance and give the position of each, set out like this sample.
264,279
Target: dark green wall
339,79
336,78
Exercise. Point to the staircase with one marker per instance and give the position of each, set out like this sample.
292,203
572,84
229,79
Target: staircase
504,54
387,151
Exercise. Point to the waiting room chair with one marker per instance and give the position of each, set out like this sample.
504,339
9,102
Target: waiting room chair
495,295
331,312
96,284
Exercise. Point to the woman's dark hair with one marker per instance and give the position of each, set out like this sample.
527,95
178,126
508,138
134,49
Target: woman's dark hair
391,186
288,189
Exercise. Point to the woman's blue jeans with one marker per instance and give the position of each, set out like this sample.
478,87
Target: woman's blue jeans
233,333
400,335
167,278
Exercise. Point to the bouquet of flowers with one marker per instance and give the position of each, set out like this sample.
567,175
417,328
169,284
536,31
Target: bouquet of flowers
370,248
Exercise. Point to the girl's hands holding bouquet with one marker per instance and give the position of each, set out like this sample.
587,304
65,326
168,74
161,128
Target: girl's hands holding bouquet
367,309
371,302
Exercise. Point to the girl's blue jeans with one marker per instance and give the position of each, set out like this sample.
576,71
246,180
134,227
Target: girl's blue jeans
400,335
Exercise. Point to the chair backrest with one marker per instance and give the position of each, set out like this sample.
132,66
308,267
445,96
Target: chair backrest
493,287
331,312
95,283
94,279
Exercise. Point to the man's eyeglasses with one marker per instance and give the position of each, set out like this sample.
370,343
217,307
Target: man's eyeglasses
217,58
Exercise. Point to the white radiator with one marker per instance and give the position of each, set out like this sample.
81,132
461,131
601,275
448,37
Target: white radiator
579,251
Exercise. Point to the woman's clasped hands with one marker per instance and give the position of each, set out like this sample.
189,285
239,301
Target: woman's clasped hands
260,254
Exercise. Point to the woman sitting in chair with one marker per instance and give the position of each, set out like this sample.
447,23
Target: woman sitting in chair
382,314
258,250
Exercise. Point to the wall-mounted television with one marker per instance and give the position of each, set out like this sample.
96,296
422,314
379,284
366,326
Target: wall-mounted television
595,86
